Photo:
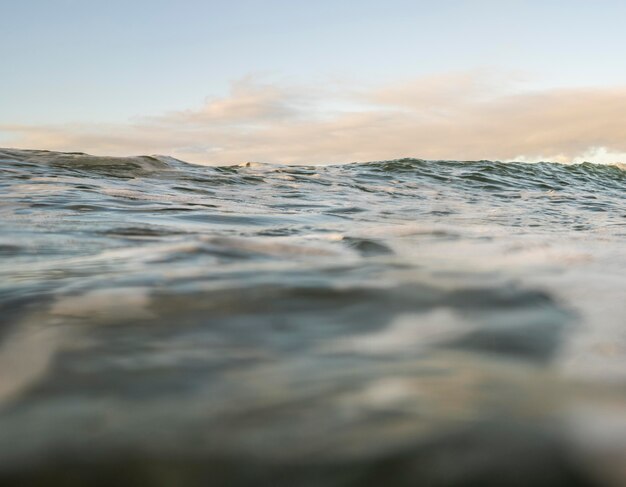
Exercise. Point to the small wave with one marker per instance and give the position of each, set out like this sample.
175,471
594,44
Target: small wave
112,166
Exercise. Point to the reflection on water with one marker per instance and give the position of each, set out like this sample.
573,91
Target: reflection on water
394,323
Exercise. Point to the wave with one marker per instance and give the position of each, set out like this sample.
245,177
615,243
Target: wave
156,161
138,165
484,175
375,317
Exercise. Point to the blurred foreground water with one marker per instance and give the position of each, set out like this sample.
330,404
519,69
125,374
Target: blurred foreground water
394,323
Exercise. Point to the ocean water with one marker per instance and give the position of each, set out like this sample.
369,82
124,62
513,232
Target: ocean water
393,323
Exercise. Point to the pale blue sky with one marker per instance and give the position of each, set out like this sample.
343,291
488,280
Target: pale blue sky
108,61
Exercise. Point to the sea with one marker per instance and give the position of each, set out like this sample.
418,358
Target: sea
392,323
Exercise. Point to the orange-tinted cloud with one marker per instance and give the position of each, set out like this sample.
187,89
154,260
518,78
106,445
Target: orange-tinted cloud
460,116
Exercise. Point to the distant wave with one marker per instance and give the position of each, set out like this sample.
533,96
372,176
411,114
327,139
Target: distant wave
486,175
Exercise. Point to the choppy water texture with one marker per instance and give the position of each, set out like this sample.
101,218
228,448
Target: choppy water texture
395,323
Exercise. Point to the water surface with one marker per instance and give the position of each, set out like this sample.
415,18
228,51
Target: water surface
402,322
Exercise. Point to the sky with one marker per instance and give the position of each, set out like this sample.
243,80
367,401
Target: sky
219,82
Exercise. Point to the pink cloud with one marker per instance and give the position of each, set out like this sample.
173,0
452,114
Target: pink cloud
460,116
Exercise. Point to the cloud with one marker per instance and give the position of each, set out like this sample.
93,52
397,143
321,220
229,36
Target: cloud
249,103
474,115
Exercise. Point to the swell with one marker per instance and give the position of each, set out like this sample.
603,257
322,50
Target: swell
489,176
86,161
79,161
